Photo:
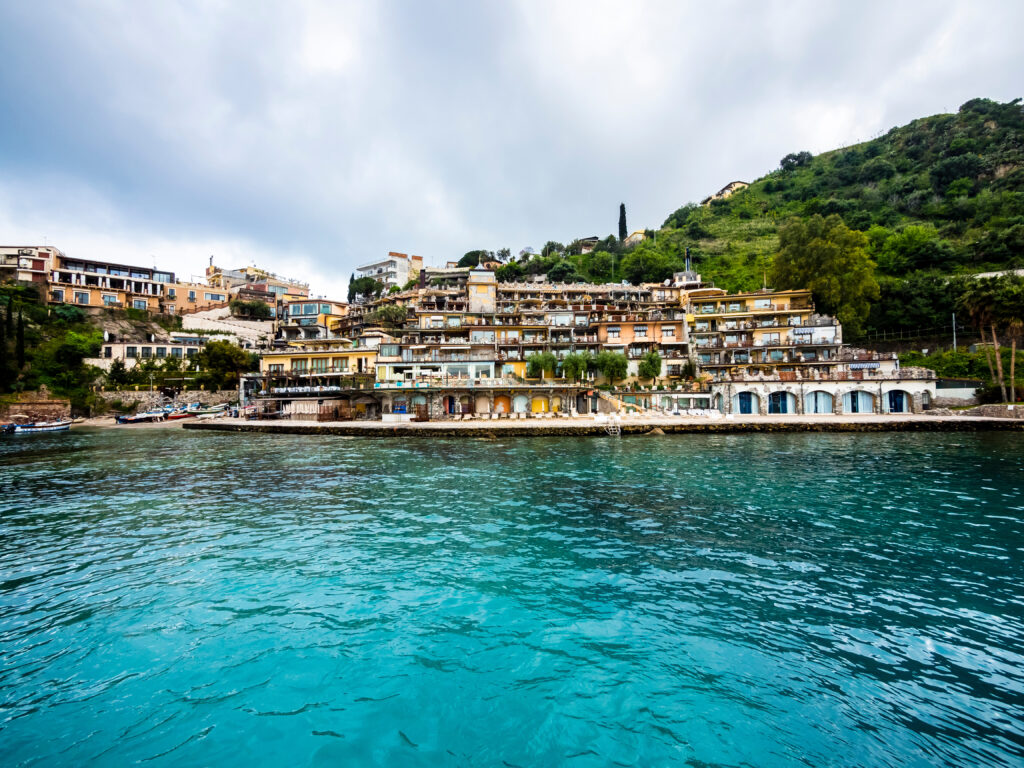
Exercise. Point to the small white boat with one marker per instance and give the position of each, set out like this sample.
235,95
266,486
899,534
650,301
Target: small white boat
61,425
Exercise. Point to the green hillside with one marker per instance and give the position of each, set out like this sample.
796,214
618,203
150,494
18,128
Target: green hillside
938,198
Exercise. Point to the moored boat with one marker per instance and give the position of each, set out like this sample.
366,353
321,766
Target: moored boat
60,425
140,418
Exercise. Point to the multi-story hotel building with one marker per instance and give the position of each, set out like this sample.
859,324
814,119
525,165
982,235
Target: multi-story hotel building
760,352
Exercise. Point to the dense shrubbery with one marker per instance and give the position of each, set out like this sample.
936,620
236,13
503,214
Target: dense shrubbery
253,310
46,347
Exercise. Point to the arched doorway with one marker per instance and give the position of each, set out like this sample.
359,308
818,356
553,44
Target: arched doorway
781,402
465,404
483,404
448,404
818,402
539,404
502,404
746,402
520,404
858,401
898,401
556,404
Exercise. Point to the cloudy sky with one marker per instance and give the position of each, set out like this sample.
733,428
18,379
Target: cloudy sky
310,137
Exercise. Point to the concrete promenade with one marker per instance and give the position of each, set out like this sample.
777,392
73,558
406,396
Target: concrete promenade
636,425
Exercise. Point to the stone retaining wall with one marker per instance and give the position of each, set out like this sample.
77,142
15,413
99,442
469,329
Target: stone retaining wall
376,429
147,399
998,411
37,406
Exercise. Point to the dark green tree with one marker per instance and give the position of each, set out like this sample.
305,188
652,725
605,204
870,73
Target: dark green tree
10,317
622,222
118,375
19,342
830,259
540,363
612,365
366,288
223,363
5,365
351,287
650,365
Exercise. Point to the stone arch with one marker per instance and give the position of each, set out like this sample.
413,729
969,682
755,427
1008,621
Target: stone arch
502,404
483,404
539,404
819,401
520,404
746,402
858,401
897,401
556,404
781,401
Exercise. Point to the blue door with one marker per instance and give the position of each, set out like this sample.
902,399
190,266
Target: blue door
745,402
896,402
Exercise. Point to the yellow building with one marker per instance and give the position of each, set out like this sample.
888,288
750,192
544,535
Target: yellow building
331,358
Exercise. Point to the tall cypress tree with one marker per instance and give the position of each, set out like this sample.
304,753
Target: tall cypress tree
4,364
351,287
19,342
622,222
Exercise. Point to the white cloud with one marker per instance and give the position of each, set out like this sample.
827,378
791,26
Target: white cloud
314,136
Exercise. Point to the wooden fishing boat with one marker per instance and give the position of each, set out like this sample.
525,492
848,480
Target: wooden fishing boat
60,425
140,418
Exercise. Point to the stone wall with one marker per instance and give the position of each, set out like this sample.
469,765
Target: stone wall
37,406
147,399
998,411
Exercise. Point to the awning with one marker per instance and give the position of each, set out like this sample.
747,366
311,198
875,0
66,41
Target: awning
803,331
861,366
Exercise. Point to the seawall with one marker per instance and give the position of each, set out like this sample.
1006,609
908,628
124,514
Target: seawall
597,428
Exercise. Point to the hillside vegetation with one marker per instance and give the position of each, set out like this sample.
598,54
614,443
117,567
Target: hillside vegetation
936,199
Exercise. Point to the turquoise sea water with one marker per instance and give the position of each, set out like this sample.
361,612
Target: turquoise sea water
183,599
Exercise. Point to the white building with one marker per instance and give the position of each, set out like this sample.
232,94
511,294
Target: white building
396,269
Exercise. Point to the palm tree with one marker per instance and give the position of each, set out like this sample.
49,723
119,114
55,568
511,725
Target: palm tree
980,302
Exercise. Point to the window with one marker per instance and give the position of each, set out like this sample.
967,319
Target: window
109,299
81,297
191,295
640,331
192,352
309,309
275,368
140,304
170,309
386,350
147,351
707,308
319,365
161,351
176,352
171,294
341,363
775,355
762,303
668,331
131,352
454,322
108,352
613,331
703,325
209,296
325,309
57,295
162,277
300,366
736,307
770,338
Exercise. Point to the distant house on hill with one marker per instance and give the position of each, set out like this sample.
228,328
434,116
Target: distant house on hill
587,244
635,237
727,191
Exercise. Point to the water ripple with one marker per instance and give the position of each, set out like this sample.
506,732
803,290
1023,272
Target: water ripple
182,599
